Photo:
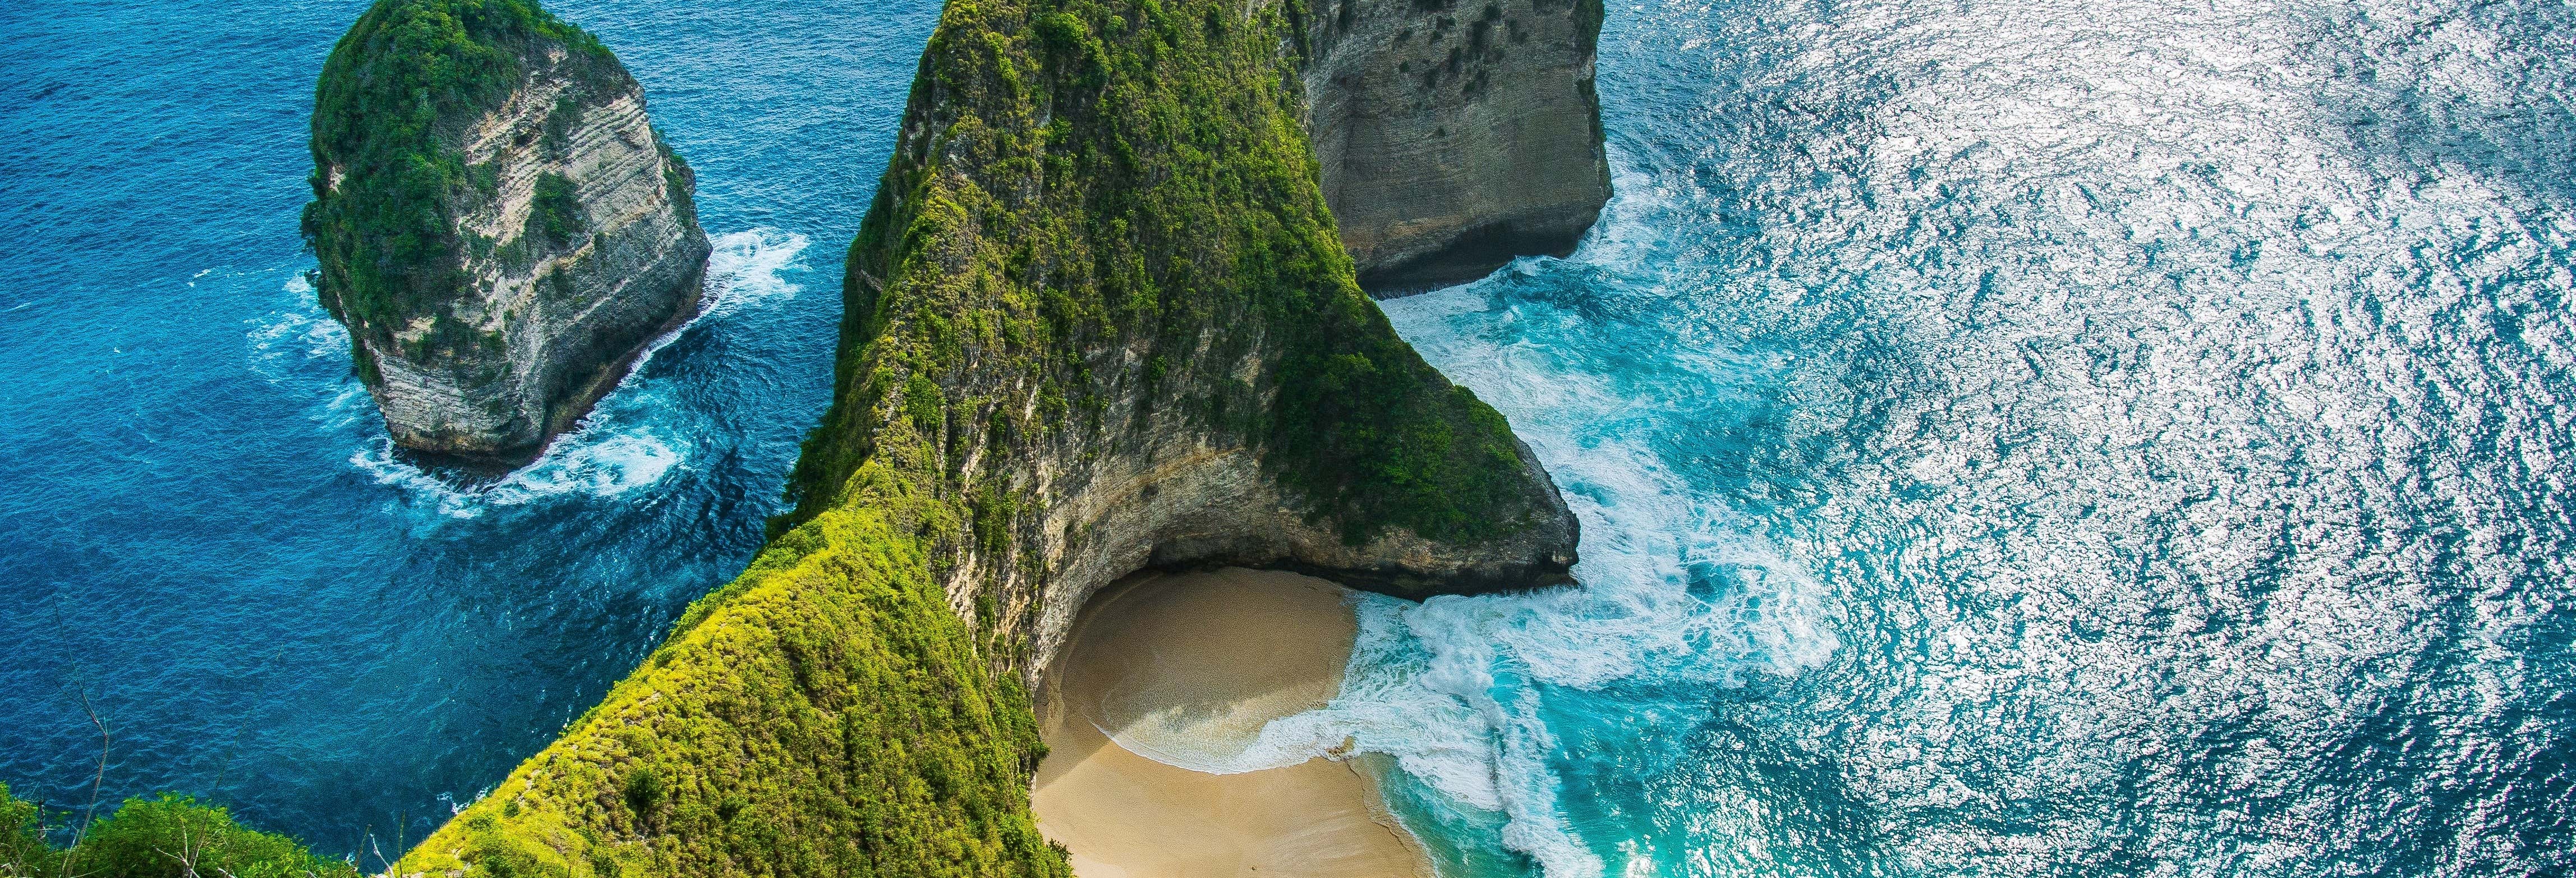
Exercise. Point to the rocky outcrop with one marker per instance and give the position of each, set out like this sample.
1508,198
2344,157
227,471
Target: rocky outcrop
1171,493
1097,320
1455,135
495,296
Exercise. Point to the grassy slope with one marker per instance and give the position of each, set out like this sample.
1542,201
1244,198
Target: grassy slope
1080,177
1080,186
832,718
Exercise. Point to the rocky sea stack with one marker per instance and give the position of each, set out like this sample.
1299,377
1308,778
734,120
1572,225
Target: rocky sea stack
1455,135
498,224
1097,320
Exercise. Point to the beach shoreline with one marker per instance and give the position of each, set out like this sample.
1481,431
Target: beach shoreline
1188,667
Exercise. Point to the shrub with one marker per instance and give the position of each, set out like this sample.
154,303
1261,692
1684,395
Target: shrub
163,836
23,849
1079,184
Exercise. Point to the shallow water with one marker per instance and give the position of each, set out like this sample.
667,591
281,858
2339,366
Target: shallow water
2013,438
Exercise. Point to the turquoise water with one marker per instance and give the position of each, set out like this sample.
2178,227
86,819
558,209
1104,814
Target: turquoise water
2032,438
2013,438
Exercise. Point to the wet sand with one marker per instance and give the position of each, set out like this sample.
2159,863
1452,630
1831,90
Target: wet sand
1189,667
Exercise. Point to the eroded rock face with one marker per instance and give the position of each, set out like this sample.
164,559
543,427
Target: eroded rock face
1096,320
571,246
1172,494
1452,136
1455,135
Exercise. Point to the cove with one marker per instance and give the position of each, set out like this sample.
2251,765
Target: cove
2008,437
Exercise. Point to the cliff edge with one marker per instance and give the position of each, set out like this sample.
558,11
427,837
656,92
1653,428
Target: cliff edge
1097,320
498,224
1455,135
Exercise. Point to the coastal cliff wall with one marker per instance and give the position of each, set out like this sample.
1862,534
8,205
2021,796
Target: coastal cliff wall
1097,319
502,254
1455,135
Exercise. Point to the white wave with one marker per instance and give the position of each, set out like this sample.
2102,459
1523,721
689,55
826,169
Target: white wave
1673,591
743,271
623,445
300,332
607,465
349,408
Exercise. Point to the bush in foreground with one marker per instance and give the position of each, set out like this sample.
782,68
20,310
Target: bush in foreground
164,836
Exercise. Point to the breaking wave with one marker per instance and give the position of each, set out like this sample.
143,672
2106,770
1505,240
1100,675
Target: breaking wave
624,443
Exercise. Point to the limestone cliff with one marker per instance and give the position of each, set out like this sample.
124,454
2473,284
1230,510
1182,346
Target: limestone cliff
1097,319
502,250
1455,135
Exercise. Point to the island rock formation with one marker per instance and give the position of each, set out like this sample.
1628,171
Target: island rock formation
1097,320
499,225
1455,135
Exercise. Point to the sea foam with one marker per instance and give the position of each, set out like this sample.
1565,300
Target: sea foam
1673,590
628,442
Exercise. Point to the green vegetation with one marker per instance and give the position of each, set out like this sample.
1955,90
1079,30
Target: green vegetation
1081,186
391,106
554,214
1169,196
682,182
166,836
23,849
824,715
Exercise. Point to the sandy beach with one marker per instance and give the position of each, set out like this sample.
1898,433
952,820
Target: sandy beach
1188,667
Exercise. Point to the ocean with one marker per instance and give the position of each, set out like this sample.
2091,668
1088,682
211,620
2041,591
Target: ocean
2012,438
202,528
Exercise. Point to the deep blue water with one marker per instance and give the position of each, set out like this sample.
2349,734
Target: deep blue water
199,524
2015,437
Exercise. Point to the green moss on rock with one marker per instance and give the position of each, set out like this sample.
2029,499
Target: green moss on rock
1090,177
391,106
1097,212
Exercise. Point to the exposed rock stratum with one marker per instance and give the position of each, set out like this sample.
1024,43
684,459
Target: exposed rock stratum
500,254
1097,320
1455,135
